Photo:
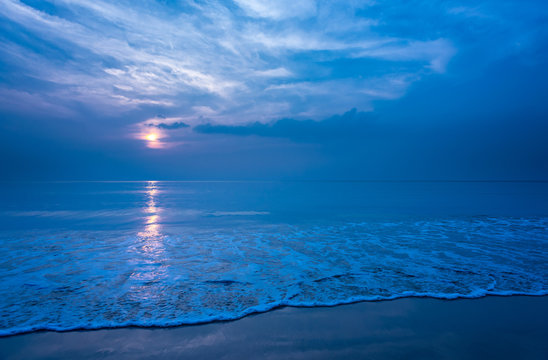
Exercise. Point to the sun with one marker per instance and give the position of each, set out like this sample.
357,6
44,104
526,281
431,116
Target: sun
152,137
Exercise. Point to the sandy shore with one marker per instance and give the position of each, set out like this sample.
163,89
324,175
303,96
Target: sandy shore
513,327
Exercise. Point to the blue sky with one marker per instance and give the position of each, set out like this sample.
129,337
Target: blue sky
266,90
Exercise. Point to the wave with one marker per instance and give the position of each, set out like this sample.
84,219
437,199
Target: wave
256,310
158,277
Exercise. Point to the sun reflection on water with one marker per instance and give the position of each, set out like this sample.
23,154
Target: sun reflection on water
151,250
152,231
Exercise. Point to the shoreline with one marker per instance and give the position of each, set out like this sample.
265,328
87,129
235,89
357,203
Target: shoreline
259,312
494,325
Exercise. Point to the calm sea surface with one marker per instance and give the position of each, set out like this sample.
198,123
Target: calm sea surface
106,254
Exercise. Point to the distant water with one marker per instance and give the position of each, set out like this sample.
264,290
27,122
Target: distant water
109,254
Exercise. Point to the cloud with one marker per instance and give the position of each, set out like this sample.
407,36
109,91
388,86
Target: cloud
273,73
172,126
281,9
252,60
436,52
226,59
350,124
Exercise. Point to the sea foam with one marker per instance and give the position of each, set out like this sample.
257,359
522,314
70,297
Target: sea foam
165,276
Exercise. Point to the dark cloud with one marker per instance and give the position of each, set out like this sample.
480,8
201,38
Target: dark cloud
172,126
349,124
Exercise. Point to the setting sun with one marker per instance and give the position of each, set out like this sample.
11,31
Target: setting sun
151,137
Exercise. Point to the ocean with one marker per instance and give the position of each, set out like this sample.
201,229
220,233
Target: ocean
90,255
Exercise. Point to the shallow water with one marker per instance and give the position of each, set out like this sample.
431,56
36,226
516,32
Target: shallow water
108,254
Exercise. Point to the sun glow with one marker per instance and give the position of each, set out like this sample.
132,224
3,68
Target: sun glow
152,137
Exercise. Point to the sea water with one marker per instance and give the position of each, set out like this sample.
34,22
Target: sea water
87,255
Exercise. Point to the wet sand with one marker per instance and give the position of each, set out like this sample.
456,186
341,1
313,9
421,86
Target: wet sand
514,327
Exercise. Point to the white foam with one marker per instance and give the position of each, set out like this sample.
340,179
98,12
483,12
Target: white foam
100,279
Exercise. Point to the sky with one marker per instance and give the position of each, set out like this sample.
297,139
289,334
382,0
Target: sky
269,90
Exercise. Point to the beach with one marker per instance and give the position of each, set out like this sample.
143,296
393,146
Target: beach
512,327
256,179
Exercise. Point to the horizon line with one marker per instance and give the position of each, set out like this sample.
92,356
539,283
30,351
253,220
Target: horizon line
294,180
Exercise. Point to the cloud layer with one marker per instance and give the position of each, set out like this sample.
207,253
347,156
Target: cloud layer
250,60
